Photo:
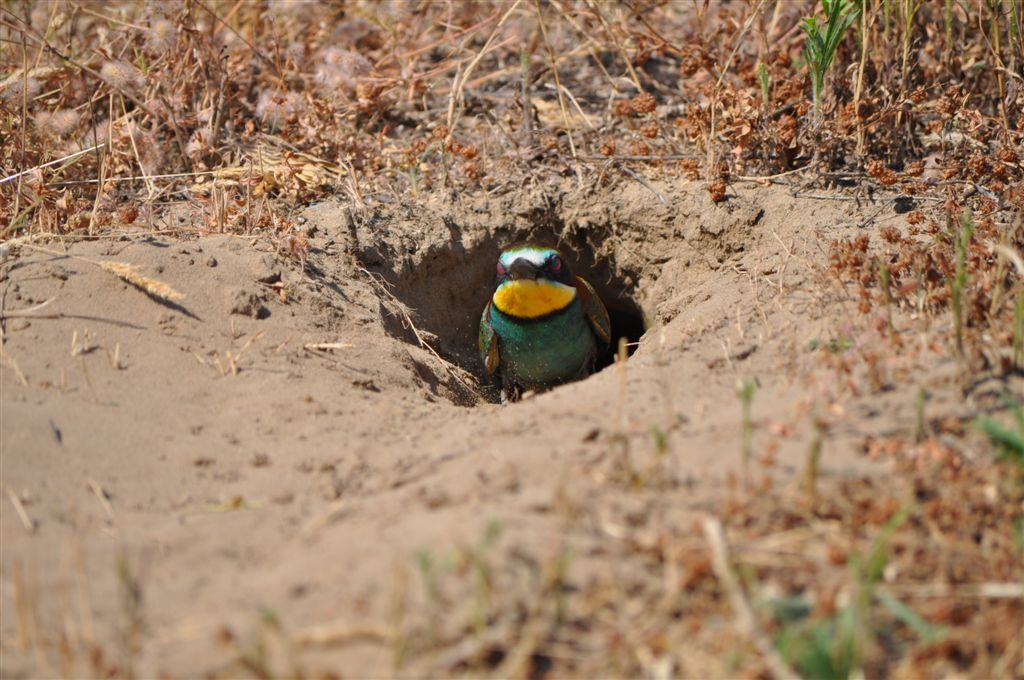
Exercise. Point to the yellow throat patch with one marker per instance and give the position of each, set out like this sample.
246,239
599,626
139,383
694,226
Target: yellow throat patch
528,299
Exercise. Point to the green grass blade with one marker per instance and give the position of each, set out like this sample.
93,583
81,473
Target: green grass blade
1010,443
928,633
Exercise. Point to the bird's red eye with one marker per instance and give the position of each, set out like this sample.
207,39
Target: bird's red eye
501,269
556,264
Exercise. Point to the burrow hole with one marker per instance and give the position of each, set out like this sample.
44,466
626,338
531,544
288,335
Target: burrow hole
448,289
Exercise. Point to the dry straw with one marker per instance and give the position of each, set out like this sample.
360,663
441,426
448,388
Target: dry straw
128,273
124,271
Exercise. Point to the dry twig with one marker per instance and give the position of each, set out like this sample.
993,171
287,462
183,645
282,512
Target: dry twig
19,508
745,620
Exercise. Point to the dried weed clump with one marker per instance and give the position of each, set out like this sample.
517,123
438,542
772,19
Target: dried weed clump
968,266
912,573
892,576
163,104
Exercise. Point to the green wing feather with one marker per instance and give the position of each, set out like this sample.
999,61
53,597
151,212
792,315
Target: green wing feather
487,342
595,312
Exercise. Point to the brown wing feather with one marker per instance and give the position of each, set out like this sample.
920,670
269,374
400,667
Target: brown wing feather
493,359
487,342
595,311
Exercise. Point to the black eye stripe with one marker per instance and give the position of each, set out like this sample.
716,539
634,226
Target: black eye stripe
552,263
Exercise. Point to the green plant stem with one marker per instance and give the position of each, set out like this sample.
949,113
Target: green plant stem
1013,15
814,460
1018,333
883,275
948,50
763,79
962,245
920,424
747,387
817,82
524,62
858,90
822,42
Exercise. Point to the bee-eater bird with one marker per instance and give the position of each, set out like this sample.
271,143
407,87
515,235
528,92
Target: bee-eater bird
543,326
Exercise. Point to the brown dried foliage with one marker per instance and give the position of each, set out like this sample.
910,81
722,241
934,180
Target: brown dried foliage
180,91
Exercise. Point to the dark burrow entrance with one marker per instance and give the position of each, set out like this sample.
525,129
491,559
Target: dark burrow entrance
627,323
446,284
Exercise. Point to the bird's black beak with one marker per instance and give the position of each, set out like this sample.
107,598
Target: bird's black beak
523,269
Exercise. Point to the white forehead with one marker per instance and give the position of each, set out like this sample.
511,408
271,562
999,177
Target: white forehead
533,254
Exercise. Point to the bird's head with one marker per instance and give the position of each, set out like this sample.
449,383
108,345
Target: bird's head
533,281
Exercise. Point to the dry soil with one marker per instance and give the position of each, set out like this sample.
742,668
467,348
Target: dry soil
295,446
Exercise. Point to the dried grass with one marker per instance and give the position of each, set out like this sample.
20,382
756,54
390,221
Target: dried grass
351,104
129,273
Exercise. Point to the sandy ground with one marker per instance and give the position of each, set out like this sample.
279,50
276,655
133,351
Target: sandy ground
293,450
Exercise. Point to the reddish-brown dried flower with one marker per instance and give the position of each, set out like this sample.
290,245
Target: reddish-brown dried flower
978,165
689,168
881,173
890,234
368,94
1007,155
786,130
128,214
622,108
689,64
473,171
643,103
639,147
717,190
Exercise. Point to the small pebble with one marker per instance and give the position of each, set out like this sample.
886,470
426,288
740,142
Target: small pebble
211,261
